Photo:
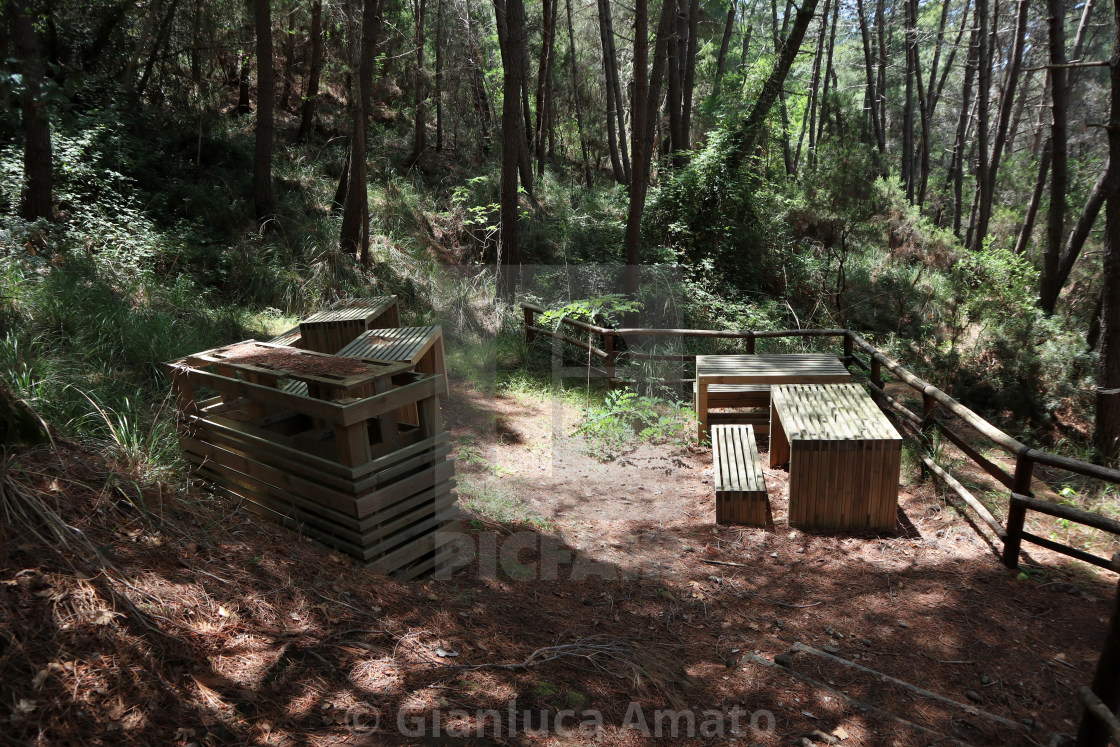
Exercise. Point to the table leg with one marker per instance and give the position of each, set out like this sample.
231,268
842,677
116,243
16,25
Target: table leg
779,444
701,408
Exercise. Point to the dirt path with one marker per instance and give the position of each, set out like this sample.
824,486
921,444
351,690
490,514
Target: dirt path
930,606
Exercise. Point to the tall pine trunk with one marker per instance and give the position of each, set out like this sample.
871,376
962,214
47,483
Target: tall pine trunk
1106,434
1049,289
420,83
315,66
354,235
616,123
36,196
575,96
511,39
266,98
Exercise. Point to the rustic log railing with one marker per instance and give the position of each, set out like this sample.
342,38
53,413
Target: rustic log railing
1096,725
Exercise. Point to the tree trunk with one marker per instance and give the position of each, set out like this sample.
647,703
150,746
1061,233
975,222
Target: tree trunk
881,85
544,79
643,113
159,43
307,115
908,104
955,174
689,83
480,97
1080,233
1106,435
289,60
575,97
724,45
673,85
810,115
36,196
243,104
512,42
1059,169
787,155
1007,101
1036,200
872,82
420,87
616,117
354,235
439,76
266,98
830,82
983,97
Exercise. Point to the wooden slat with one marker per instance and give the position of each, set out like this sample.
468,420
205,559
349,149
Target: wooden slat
740,487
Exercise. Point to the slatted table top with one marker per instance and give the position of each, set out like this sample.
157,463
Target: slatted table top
830,412
769,368
357,311
400,344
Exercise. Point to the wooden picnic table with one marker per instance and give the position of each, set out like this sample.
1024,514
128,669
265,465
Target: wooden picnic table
745,375
844,456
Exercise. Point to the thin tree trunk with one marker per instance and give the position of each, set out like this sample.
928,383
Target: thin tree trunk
787,155
1003,122
1106,434
616,125
289,60
142,43
512,42
643,114
575,96
307,115
354,234
266,99
1036,199
881,85
830,82
1059,174
956,167
159,43
1077,237
439,76
872,81
908,103
983,97
420,129
814,88
673,83
479,94
689,83
724,45
36,196
544,79
747,13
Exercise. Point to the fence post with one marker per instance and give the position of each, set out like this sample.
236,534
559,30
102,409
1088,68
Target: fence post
876,373
608,362
750,344
1016,511
530,335
847,349
1106,679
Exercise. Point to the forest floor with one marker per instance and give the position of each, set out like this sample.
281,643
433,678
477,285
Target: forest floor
615,606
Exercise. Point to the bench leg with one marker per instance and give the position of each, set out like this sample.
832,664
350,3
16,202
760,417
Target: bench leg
701,410
779,444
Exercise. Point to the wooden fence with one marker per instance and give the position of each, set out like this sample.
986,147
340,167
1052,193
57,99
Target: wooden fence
1021,499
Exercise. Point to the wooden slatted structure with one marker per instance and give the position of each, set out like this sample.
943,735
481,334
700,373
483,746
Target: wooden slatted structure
844,456
330,330
737,471
291,337
330,458
744,381
421,347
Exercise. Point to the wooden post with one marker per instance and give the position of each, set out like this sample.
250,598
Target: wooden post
1106,681
847,350
608,362
1016,511
529,333
750,345
876,373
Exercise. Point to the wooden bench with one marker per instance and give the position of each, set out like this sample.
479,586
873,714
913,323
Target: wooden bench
737,469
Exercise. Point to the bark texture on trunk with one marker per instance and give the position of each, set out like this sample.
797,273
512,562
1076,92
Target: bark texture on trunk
37,196
315,66
266,96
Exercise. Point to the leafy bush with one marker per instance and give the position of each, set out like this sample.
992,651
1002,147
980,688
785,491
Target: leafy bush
626,418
